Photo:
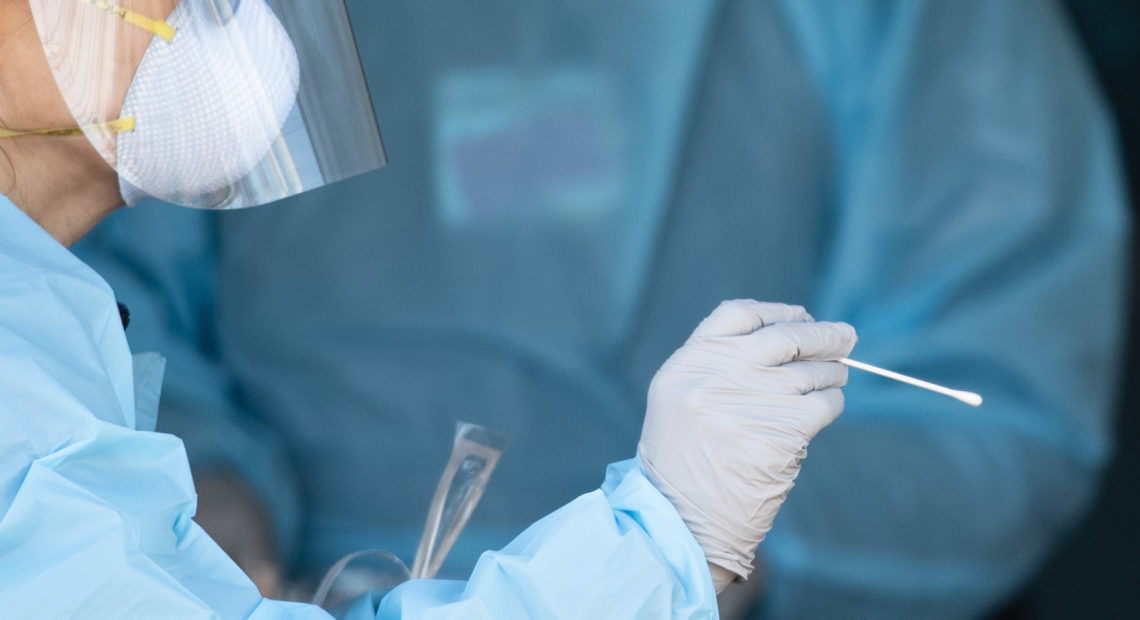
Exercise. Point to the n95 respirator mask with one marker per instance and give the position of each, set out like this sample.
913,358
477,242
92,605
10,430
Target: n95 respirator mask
213,103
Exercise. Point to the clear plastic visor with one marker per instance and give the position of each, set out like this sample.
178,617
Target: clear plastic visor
214,103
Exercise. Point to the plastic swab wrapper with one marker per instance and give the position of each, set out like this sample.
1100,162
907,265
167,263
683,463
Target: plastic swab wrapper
970,398
473,457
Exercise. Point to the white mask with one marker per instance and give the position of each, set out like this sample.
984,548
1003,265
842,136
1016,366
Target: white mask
208,104
212,103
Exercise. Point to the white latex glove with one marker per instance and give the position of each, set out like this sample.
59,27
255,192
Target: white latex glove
730,415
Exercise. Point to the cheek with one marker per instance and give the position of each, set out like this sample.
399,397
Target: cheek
31,98
91,56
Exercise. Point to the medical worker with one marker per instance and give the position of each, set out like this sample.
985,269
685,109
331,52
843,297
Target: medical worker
104,104
573,185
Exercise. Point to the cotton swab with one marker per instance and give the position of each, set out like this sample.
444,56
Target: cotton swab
969,398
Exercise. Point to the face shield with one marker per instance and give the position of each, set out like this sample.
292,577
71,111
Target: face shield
215,104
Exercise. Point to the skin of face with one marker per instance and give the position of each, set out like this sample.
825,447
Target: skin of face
65,183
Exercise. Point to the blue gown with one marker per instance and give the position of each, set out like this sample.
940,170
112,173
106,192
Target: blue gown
574,186
96,508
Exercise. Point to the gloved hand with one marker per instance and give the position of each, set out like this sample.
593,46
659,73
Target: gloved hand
730,415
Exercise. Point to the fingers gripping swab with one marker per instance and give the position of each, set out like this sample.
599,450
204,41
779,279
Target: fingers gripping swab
970,398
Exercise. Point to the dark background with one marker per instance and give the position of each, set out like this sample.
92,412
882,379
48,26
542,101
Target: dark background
1096,572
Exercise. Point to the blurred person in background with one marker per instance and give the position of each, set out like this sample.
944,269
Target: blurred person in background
572,186
1092,574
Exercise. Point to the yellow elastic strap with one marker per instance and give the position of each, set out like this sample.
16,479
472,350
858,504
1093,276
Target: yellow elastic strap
157,26
119,125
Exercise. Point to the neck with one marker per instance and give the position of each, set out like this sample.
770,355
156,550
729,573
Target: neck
67,213
60,182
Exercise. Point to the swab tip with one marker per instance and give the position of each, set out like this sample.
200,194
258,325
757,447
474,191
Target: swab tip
970,398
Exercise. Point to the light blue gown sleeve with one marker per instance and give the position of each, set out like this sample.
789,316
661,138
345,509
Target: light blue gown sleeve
980,242
618,552
160,261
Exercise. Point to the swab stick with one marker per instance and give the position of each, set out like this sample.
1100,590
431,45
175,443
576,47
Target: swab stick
969,398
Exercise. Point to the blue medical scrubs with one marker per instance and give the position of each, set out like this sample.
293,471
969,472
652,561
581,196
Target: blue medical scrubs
574,186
